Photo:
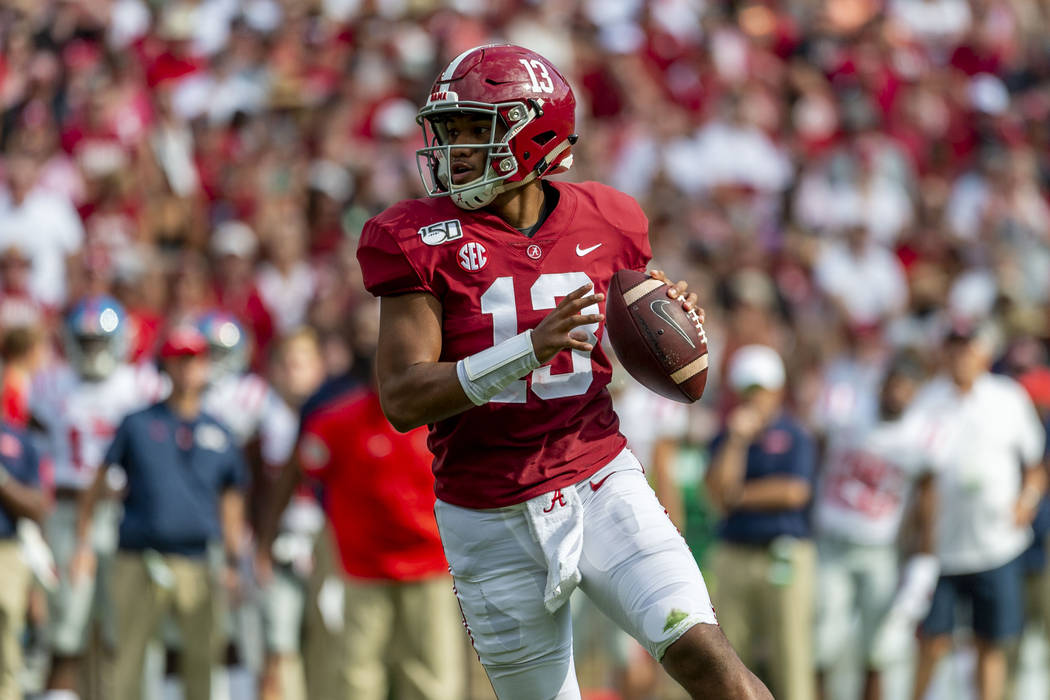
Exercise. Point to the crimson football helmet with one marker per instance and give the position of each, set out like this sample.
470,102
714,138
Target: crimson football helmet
533,113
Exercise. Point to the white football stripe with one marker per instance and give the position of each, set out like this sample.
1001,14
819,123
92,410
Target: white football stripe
640,290
690,370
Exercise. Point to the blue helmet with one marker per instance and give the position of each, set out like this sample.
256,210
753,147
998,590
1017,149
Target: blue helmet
227,342
96,336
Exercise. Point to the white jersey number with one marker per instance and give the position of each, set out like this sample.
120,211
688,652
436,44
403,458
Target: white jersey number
498,300
541,82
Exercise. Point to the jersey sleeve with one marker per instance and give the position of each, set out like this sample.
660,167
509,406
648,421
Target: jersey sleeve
385,267
235,476
116,453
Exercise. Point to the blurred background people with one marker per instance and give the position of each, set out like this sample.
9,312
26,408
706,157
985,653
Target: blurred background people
194,156
989,485
870,474
78,405
21,497
761,479
399,609
185,476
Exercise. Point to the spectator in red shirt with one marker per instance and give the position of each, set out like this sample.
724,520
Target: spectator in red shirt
379,497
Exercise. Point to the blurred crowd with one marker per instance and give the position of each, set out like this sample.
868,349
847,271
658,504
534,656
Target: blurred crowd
840,180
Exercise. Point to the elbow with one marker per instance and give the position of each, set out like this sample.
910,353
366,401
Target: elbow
400,412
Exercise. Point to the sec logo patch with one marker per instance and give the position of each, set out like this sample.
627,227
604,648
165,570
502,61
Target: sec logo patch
472,256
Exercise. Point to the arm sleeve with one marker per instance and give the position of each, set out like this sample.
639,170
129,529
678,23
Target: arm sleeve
236,475
116,453
384,266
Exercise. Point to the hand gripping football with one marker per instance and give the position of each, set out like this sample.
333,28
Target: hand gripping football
657,341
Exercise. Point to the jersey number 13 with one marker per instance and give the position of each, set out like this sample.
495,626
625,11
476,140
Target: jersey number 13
498,300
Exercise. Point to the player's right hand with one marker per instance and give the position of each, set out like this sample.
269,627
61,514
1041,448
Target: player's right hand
82,565
556,332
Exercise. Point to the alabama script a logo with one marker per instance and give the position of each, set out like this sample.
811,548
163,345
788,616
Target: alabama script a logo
556,499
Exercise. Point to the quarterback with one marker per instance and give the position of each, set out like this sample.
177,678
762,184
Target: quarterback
492,295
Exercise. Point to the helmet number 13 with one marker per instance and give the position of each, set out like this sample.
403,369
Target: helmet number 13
498,300
541,82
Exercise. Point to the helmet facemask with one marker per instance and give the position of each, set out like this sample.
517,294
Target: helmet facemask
434,160
95,357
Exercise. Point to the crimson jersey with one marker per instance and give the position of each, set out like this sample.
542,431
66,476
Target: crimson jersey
556,426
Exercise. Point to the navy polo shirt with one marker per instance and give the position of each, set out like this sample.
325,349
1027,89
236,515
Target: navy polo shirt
20,460
783,449
177,470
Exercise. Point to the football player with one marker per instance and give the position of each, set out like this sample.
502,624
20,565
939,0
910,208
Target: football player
251,409
873,469
492,294
79,406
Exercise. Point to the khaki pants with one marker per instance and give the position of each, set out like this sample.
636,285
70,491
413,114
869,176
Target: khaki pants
14,594
404,635
762,601
141,604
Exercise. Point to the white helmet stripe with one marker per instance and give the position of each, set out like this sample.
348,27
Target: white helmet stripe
451,70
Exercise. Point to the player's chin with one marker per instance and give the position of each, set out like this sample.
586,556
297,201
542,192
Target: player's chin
465,177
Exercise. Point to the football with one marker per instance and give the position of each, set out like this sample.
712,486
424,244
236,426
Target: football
657,341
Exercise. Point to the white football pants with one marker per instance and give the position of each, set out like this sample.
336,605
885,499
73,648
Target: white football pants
635,566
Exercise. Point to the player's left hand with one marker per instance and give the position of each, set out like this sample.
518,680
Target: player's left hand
678,290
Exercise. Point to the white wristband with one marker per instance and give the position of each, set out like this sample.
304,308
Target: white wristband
487,373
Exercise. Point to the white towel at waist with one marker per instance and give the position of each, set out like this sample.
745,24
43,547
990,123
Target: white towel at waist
556,522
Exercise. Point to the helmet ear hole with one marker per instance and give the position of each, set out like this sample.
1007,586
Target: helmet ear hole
542,139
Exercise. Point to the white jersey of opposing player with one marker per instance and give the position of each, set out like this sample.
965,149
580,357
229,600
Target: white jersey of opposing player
249,406
868,476
81,417
646,418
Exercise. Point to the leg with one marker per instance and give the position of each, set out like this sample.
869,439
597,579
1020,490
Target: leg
283,604
703,663
323,646
834,607
638,570
369,619
931,651
139,608
735,571
991,670
194,612
935,633
14,597
792,662
876,587
500,576
873,685
69,605
998,620
430,663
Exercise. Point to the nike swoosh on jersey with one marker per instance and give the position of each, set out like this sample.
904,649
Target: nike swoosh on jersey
584,251
595,487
